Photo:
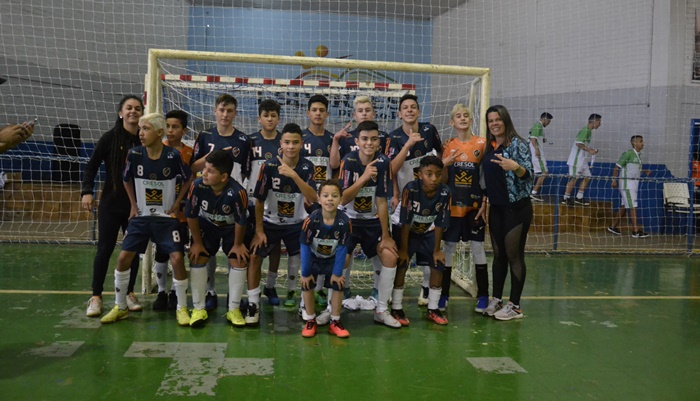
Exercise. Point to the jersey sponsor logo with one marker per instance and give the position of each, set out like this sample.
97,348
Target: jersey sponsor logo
154,196
153,176
285,196
268,156
463,178
154,183
285,209
319,152
319,173
363,204
324,249
166,172
470,165
418,153
287,189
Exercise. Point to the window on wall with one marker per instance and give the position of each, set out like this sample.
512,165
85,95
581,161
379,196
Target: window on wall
696,49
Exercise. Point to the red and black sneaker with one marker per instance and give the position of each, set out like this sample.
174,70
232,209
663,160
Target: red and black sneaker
399,315
337,328
436,316
310,329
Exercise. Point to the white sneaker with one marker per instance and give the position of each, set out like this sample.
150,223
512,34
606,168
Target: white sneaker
423,297
351,304
94,308
385,318
323,318
132,303
495,304
509,312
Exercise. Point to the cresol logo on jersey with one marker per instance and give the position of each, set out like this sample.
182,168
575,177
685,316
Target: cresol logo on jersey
465,164
150,183
283,196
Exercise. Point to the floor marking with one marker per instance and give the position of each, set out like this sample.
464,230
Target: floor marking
497,365
75,318
59,349
196,367
570,323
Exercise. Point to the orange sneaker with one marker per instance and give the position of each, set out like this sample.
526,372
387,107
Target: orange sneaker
337,328
310,329
436,316
399,315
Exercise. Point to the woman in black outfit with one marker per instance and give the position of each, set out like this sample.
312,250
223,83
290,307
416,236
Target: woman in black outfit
507,178
114,206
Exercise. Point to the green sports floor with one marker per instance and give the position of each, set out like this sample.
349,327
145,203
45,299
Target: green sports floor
595,328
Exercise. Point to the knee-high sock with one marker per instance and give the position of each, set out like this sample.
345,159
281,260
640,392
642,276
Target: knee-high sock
211,275
347,270
426,276
198,286
434,297
121,282
161,270
386,283
270,279
377,269
293,265
180,287
396,298
236,282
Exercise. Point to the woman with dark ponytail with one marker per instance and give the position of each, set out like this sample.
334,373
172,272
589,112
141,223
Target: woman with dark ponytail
114,207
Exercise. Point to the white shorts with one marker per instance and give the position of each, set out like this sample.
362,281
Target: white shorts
539,164
581,170
629,195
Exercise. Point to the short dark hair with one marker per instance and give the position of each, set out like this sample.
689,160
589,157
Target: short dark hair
635,137
594,117
318,99
431,160
292,128
180,115
546,115
408,96
331,183
269,105
225,99
367,126
222,160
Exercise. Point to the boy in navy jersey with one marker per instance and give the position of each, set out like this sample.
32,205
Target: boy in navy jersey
408,144
365,175
151,175
222,136
323,249
425,214
266,145
284,183
216,214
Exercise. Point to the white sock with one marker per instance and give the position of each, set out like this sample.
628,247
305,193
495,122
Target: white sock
121,284
434,297
180,287
336,318
293,265
386,283
426,276
198,285
397,298
579,195
161,270
270,279
376,270
211,275
254,296
319,282
236,282
346,272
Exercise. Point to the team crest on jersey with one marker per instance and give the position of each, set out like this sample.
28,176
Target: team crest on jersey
285,209
153,176
319,152
337,233
363,204
426,212
319,173
418,153
166,172
477,153
287,189
154,196
463,179
438,207
226,209
425,143
324,249
268,156
236,152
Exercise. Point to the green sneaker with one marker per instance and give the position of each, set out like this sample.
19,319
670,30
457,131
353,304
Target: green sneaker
114,315
235,317
199,316
183,316
291,299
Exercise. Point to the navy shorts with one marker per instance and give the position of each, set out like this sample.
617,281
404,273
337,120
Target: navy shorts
214,237
164,232
367,235
163,257
465,228
423,246
275,233
323,266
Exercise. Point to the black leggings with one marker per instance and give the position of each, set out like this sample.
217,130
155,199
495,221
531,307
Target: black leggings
109,222
508,226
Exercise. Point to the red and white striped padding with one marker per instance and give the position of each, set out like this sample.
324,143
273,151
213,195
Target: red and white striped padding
288,82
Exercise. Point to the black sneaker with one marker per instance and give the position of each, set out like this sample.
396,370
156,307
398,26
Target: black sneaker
211,302
161,302
582,201
172,300
614,230
567,201
639,234
271,294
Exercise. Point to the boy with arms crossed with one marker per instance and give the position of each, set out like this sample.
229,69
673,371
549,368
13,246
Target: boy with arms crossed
151,176
425,214
630,166
283,185
323,250
461,173
216,215
365,176
408,144
223,136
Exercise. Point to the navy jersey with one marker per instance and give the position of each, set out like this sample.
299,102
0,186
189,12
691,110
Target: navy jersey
284,202
222,210
322,239
240,144
155,181
423,213
347,145
364,205
431,144
262,150
317,149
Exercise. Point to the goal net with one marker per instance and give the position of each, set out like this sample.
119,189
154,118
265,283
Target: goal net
179,80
